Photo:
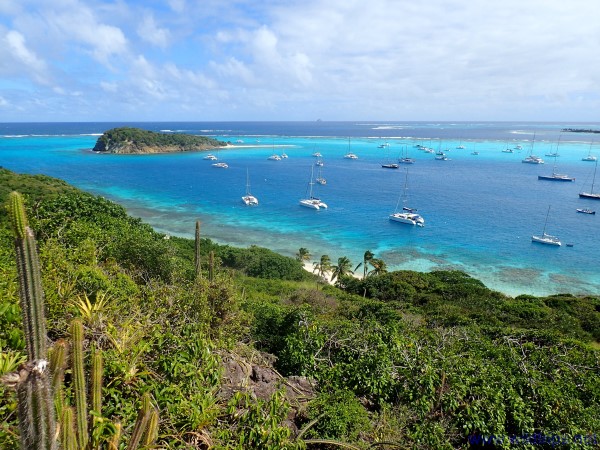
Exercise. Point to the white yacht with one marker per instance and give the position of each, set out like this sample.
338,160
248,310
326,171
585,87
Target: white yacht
311,201
211,157
546,238
221,165
350,155
407,215
532,159
249,199
274,158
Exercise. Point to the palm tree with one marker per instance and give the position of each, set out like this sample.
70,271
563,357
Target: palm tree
342,268
323,265
367,258
303,254
379,267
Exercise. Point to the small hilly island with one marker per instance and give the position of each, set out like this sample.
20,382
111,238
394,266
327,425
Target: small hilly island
128,140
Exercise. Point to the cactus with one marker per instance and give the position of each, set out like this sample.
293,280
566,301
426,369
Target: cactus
36,414
211,265
147,422
35,408
79,383
97,369
141,422
68,437
197,264
30,281
34,381
58,362
152,430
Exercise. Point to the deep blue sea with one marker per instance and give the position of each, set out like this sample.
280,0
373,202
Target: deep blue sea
480,210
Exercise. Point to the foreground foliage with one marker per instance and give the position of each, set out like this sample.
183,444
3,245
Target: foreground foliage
415,360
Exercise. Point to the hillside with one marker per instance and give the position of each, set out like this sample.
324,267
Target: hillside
253,352
129,140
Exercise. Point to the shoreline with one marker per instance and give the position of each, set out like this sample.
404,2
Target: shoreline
309,267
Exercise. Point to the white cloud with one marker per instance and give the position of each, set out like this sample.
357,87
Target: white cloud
149,31
177,5
15,42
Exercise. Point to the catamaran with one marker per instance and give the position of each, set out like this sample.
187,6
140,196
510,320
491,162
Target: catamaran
310,201
407,215
249,199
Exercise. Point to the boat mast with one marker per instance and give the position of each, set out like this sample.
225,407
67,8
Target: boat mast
546,222
247,182
594,178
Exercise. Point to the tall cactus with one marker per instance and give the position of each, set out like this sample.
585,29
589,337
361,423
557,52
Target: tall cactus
211,265
30,280
141,423
35,408
81,416
58,363
197,264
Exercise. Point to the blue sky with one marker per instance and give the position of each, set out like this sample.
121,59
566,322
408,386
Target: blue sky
99,60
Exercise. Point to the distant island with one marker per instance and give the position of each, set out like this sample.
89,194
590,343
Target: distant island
128,140
579,130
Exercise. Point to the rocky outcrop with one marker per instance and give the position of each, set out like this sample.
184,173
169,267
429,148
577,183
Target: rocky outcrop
261,380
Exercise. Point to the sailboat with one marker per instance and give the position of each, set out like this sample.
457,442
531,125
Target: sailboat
407,215
388,164
219,165
350,155
591,194
274,156
312,202
320,178
249,199
590,157
556,176
405,159
532,159
546,238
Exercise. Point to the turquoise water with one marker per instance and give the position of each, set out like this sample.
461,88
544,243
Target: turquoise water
480,210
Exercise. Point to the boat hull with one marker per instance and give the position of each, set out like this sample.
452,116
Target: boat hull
313,204
250,200
555,178
547,240
589,195
408,218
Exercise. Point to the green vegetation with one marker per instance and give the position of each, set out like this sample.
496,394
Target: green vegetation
181,337
135,140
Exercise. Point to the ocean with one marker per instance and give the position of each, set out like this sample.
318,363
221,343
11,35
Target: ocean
480,209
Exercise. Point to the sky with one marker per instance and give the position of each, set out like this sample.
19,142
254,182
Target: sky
238,60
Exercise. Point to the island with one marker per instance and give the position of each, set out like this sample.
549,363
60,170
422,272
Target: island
128,140
579,130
